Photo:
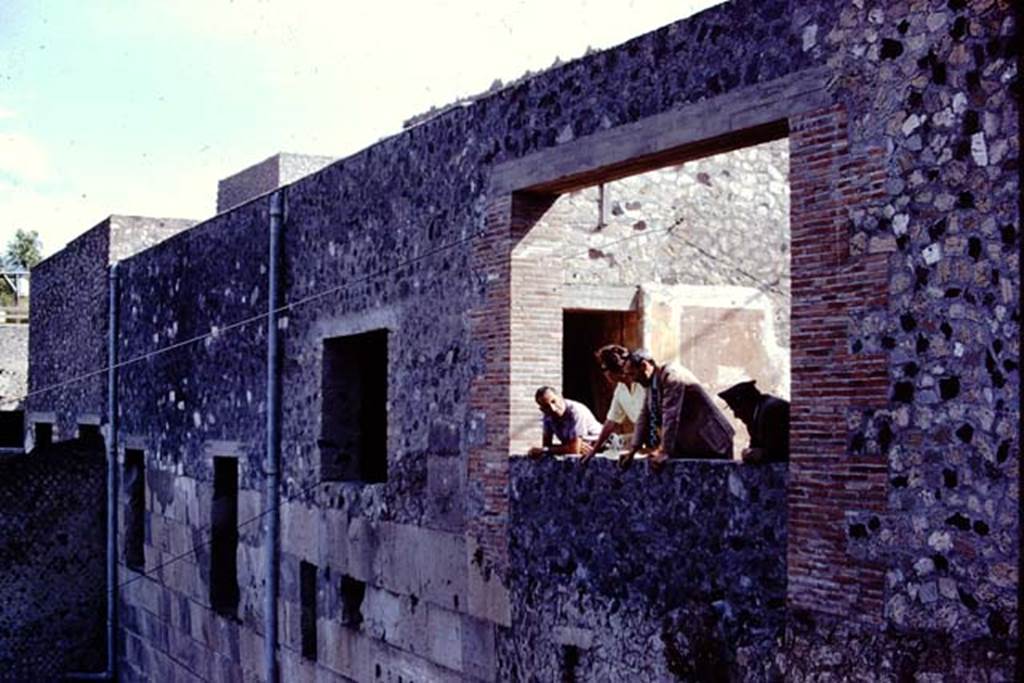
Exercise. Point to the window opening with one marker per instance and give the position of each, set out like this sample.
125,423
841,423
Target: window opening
90,434
43,433
224,593
307,591
354,390
135,509
12,428
570,663
352,593
703,249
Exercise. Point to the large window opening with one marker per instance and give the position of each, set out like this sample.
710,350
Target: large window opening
134,509
699,253
224,593
354,434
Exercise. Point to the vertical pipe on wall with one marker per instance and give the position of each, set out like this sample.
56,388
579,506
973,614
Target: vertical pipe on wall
112,593
273,452
110,674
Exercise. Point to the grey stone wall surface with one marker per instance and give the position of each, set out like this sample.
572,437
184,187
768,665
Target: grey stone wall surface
384,239
13,366
68,329
679,575
267,175
936,85
68,334
52,550
132,234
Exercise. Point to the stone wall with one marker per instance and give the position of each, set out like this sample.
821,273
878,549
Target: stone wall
52,549
13,366
261,178
647,577
68,332
905,321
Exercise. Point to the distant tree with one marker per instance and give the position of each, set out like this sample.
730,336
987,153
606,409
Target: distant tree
24,250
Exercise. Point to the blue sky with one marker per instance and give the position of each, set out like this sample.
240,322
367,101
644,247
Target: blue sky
140,107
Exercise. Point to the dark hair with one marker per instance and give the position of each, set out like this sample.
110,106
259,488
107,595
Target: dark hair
543,390
640,355
612,358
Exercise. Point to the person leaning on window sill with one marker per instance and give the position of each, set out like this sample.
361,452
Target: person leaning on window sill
570,421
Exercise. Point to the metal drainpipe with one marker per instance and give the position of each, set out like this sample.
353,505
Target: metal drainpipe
273,454
110,674
112,404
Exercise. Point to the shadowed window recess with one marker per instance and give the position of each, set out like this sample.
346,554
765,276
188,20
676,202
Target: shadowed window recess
224,593
134,486
354,388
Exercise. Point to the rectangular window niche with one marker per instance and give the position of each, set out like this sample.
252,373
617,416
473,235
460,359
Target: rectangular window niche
134,509
354,388
224,537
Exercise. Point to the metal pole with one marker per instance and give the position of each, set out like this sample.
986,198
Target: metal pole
110,674
273,453
112,596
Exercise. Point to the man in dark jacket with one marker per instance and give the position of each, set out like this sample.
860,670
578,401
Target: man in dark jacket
679,419
766,418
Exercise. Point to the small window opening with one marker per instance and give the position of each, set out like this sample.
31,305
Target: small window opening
12,428
570,662
224,529
354,386
352,593
307,596
584,332
44,433
90,435
135,509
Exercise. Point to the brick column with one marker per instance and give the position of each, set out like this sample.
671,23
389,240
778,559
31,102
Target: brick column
517,331
830,381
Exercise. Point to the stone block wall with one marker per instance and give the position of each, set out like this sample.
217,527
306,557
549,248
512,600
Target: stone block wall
13,366
639,576
52,549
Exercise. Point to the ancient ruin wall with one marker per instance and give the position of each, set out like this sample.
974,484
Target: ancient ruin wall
67,333
13,366
649,577
419,198
52,549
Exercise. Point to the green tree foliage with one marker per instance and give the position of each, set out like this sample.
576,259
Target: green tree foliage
24,250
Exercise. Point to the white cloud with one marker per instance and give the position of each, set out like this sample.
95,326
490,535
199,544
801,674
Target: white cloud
6,113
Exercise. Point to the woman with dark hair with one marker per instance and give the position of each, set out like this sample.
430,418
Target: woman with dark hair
627,398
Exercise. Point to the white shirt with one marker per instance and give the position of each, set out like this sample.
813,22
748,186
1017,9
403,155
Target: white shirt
627,402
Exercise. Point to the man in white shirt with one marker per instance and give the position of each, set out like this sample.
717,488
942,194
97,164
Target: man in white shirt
569,421
627,399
